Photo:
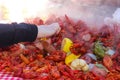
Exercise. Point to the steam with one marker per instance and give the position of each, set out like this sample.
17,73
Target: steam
92,12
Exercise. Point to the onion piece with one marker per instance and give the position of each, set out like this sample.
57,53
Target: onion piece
91,66
110,52
92,56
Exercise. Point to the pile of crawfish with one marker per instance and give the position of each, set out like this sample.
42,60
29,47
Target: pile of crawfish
44,59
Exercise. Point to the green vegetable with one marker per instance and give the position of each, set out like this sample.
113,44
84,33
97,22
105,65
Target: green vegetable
99,49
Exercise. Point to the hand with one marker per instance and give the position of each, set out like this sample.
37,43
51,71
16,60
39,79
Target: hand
48,30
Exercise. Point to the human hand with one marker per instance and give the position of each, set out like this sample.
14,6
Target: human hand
48,30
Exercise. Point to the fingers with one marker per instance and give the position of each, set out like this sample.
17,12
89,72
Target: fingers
48,30
56,27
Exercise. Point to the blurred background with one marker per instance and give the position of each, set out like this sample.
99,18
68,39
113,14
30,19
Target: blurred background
92,12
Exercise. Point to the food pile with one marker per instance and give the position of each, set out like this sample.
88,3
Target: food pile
76,53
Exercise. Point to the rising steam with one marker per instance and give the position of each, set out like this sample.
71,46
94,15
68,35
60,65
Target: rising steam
92,12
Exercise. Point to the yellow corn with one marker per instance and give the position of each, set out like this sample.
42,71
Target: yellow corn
70,58
66,44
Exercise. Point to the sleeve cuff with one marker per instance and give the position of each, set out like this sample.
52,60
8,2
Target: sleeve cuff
25,32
